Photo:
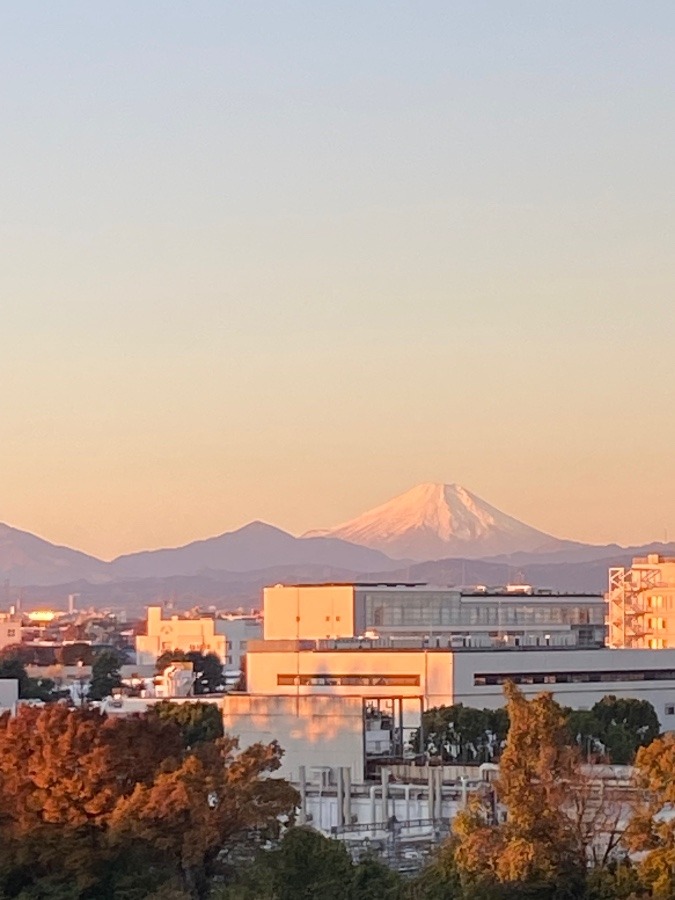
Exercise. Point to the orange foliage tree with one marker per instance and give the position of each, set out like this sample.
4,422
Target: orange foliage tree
80,793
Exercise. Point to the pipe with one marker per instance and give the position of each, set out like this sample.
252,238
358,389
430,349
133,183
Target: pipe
385,796
438,797
340,796
302,818
348,795
430,799
373,792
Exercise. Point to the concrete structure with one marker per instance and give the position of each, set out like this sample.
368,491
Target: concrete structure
395,614
10,630
641,604
437,677
227,637
9,695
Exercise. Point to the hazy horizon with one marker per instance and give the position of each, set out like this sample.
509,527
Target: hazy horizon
285,261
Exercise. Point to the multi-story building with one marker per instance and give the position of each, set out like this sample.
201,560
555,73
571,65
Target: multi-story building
227,636
395,615
641,604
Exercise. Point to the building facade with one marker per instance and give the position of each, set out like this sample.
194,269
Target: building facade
641,604
393,614
227,637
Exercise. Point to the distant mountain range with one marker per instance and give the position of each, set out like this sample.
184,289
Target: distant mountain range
436,533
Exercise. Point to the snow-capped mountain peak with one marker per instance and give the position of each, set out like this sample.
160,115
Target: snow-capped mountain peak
433,521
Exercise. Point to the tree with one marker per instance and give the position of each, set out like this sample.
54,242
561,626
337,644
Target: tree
214,796
652,829
197,722
537,849
11,666
95,807
207,667
461,733
626,725
308,865
105,674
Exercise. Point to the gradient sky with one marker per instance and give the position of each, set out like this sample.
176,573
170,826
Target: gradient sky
285,260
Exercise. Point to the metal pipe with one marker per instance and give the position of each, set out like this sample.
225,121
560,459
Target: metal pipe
438,796
340,796
430,798
348,795
385,797
302,818
373,793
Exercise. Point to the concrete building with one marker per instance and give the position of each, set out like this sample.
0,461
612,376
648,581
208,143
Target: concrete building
641,604
10,630
429,677
227,637
394,614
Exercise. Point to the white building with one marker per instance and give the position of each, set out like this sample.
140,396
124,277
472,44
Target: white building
396,614
226,636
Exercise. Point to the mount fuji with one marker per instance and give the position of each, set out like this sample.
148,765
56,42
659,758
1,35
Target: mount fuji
435,521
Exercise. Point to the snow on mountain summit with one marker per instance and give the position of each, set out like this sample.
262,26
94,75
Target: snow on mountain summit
434,521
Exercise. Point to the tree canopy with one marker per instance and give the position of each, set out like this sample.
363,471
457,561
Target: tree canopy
105,674
197,722
98,807
208,669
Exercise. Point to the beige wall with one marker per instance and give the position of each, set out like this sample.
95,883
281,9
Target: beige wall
432,670
312,612
315,732
178,634
10,632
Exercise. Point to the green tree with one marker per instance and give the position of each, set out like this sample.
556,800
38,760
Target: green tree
207,667
462,733
308,865
11,666
105,674
440,878
626,725
197,722
373,880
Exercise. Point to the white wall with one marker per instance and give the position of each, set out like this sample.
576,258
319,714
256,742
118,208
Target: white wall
313,731
9,695
578,695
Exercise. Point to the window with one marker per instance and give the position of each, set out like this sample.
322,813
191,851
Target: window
328,680
670,709
11,632
482,680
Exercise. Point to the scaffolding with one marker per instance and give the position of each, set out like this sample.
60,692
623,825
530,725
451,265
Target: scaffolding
628,605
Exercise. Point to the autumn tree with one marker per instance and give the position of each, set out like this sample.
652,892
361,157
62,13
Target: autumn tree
197,722
652,831
214,796
95,807
537,848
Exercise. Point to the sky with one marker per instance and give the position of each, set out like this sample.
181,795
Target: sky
285,260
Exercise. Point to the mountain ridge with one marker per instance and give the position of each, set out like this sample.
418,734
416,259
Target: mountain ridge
434,520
